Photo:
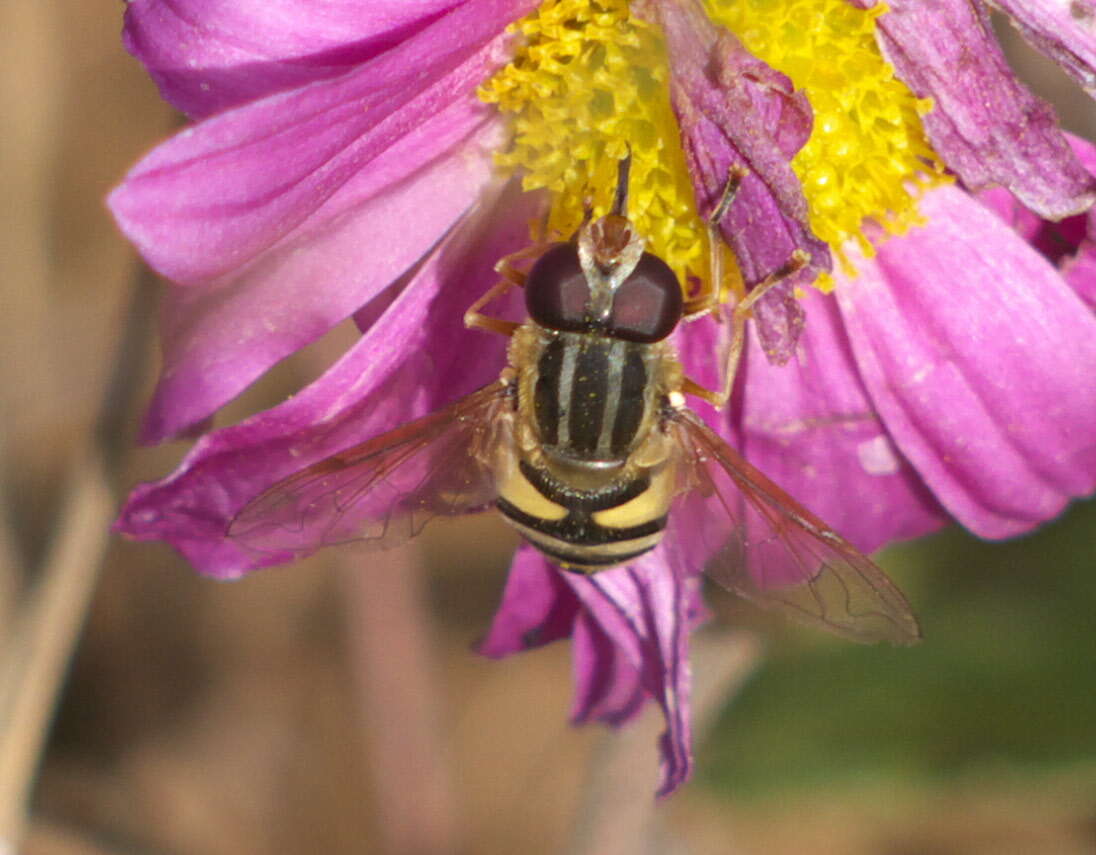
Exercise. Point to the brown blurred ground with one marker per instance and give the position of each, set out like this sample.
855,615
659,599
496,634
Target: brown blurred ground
256,717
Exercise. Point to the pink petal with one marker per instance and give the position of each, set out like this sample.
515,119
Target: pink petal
537,607
278,209
985,124
810,426
1065,32
735,110
980,361
222,192
208,55
642,615
217,339
403,367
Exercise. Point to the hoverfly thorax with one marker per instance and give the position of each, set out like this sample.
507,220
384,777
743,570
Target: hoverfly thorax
600,306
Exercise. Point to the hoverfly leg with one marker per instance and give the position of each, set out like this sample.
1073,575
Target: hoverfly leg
474,319
741,314
716,295
736,173
511,277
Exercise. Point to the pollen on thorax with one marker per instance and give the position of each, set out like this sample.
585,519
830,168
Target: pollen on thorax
588,84
867,157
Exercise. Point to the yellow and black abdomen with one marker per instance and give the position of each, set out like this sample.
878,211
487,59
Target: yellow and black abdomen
587,530
585,489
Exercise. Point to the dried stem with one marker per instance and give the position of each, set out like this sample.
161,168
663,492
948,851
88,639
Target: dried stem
39,639
43,636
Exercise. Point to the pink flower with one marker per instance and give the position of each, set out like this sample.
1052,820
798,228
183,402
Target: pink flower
342,166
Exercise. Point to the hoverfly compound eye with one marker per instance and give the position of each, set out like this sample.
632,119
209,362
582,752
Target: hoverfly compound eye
556,292
648,304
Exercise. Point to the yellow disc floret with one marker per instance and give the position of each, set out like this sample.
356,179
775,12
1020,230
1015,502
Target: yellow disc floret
588,84
867,150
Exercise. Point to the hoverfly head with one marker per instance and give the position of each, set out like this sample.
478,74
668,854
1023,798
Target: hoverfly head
604,281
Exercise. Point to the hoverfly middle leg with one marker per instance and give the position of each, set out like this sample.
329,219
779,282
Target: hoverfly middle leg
716,295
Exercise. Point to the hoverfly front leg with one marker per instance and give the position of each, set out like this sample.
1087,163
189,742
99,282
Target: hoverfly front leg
715,296
511,277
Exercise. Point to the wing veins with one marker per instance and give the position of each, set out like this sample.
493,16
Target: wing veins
837,586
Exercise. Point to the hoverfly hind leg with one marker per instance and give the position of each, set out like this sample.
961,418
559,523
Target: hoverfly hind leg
736,173
712,297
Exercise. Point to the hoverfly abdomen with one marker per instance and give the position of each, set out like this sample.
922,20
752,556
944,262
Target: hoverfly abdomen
586,529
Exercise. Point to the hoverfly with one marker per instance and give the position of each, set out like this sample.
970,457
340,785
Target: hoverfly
586,446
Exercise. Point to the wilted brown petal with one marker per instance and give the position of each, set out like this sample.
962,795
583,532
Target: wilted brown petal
985,124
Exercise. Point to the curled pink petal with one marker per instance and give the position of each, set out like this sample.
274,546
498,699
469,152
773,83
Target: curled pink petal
416,357
979,359
630,630
608,683
985,124
538,607
641,617
1071,243
734,110
208,55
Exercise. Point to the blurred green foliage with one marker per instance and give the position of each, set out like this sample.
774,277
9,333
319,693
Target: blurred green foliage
1004,683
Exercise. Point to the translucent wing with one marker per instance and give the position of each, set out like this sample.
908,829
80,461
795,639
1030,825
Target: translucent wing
385,490
758,542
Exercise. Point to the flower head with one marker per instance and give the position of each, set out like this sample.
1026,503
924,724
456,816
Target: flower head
356,161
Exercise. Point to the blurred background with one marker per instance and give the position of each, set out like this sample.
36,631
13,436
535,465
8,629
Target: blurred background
330,707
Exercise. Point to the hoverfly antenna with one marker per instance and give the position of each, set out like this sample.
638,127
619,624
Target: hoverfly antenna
620,200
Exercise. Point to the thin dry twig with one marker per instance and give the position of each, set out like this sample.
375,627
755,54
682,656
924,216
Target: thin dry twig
43,637
11,563
40,638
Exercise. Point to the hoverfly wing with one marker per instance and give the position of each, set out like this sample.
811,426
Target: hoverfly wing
760,543
383,491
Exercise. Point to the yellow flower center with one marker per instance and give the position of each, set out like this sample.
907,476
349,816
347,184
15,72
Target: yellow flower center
590,81
867,149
